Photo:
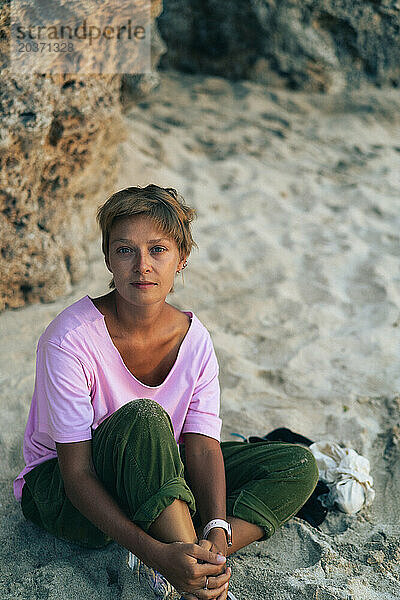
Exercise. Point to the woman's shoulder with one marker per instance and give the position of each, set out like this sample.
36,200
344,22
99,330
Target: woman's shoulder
193,326
180,317
71,320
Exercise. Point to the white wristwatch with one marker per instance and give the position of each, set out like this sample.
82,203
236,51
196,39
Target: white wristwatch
219,523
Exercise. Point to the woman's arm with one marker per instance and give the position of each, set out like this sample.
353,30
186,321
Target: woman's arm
206,473
87,493
177,561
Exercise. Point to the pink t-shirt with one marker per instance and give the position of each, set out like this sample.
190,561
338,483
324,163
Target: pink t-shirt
81,379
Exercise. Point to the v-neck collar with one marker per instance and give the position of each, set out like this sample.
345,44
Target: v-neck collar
180,351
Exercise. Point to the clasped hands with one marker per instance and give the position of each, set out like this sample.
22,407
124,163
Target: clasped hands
189,566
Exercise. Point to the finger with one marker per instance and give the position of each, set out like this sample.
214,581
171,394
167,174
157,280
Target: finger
207,570
207,544
209,594
222,592
223,596
201,553
219,592
215,582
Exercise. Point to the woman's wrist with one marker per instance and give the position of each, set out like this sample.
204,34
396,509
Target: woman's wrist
217,536
152,552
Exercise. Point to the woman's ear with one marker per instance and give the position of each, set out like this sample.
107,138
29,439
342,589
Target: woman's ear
181,264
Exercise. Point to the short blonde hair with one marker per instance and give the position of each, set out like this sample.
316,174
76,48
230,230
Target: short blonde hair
164,205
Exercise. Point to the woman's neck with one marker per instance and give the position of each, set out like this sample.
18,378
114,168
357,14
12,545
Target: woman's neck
138,321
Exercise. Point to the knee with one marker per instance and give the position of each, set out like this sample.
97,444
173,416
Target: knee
148,415
308,467
145,408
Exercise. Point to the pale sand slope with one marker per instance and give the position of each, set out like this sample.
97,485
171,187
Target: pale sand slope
297,281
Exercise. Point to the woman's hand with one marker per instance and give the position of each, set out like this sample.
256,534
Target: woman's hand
217,537
179,563
216,543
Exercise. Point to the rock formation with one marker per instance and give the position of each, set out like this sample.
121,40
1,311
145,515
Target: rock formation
59,135
59,138
316,45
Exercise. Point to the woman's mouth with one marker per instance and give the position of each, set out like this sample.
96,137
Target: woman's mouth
143,284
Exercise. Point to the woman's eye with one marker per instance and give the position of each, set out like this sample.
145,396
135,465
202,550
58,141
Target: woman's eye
156,249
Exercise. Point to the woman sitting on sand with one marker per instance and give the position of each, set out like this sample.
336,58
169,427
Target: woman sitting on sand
123,436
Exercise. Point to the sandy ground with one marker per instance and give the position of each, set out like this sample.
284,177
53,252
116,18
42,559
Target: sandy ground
297,279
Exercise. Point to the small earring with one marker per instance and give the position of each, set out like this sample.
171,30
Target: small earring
183,266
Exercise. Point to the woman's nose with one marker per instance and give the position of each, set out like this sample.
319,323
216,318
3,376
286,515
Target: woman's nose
143,263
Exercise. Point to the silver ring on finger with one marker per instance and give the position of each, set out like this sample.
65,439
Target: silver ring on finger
206,585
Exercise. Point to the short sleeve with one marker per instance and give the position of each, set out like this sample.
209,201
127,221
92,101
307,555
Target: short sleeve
62,387
203,413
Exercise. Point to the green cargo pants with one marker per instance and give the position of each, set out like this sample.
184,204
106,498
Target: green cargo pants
138,461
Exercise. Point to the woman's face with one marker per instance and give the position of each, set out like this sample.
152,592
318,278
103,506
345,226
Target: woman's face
142,260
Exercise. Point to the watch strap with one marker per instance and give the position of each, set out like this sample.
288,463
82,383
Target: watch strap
223,525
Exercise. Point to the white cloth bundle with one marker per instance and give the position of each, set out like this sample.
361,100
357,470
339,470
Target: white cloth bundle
346,473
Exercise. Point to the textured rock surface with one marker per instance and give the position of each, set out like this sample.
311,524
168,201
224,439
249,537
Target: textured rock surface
59,137
316,45
58,159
